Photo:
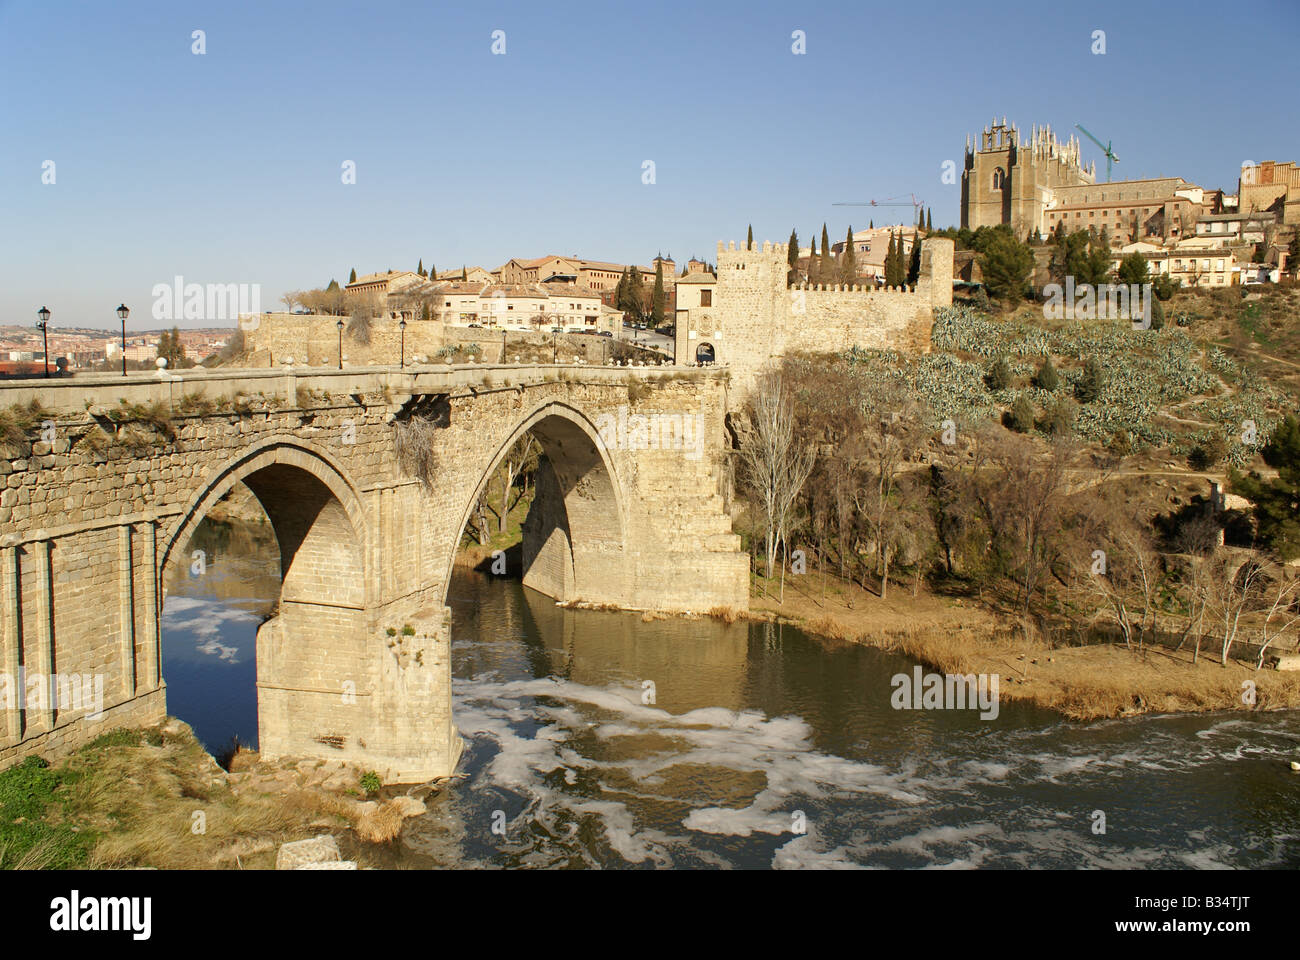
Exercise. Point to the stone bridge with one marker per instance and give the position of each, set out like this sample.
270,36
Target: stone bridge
630,511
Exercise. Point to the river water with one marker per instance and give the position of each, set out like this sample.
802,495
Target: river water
595,739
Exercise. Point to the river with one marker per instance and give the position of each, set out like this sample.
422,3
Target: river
594,739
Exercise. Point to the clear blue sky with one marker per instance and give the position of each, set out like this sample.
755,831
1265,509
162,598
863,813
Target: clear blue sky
225,168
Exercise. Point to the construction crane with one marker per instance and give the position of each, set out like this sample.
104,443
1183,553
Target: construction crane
914,203
1110,154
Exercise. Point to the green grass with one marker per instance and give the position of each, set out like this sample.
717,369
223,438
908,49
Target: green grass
30,794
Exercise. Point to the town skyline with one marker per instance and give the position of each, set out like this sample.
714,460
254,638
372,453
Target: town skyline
161,180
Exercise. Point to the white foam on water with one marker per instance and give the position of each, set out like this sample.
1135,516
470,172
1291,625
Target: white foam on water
779,748
801,853
932,810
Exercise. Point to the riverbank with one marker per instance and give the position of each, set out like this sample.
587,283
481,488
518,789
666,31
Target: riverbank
156,798
961,636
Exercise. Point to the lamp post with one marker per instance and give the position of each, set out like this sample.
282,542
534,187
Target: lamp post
123,312
402,357
340,326
44,323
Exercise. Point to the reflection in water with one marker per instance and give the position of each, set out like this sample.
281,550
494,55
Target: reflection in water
219,591
594,739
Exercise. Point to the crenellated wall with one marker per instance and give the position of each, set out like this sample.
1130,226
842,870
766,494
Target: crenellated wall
756,316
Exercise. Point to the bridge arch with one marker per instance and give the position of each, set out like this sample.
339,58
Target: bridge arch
288,453
318,636
575,536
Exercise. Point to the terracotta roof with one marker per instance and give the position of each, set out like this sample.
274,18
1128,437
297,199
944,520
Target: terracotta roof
697,278
384,275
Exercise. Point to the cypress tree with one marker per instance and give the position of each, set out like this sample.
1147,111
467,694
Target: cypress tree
827,266
1022,414
420,269
914,267
620,290
929,221
352,278
1046,378
464,273
871,225
891,262
849,266
657,302
749,240
812,259
792,257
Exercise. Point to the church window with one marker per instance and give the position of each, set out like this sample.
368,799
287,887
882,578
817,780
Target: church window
999,177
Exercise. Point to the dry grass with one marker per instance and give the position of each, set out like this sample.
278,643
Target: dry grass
380,825
1082,682
727,615
413,443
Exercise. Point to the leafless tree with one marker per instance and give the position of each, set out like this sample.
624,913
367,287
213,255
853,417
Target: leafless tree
520,459
894,512
774,464
1130,584
1283,613
1234,590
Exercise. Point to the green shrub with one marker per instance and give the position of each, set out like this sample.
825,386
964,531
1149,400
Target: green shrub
1092,382
1059,420
1047,378
370,782
1022,414
999,377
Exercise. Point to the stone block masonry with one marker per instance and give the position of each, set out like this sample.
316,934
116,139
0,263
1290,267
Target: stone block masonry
755,316
89,522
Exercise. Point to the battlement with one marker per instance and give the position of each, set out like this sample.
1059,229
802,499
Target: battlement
850,288
765,250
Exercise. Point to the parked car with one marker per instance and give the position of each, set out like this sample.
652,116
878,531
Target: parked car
606,333
557,329
476,326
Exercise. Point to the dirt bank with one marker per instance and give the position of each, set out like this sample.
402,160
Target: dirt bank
1082,682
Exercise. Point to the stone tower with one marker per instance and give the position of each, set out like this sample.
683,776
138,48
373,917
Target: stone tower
1006,181
752,316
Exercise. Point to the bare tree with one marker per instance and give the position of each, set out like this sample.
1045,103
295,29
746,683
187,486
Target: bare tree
520,459
892,511
775,466
290,299
1283,614
1130,583
1234,589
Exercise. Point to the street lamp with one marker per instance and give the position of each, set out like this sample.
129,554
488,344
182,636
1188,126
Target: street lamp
402,361
123,312
44,323
340,326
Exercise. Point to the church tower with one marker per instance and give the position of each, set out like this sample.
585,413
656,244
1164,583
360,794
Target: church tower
1009,181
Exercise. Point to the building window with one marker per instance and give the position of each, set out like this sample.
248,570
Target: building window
999,177
706,298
